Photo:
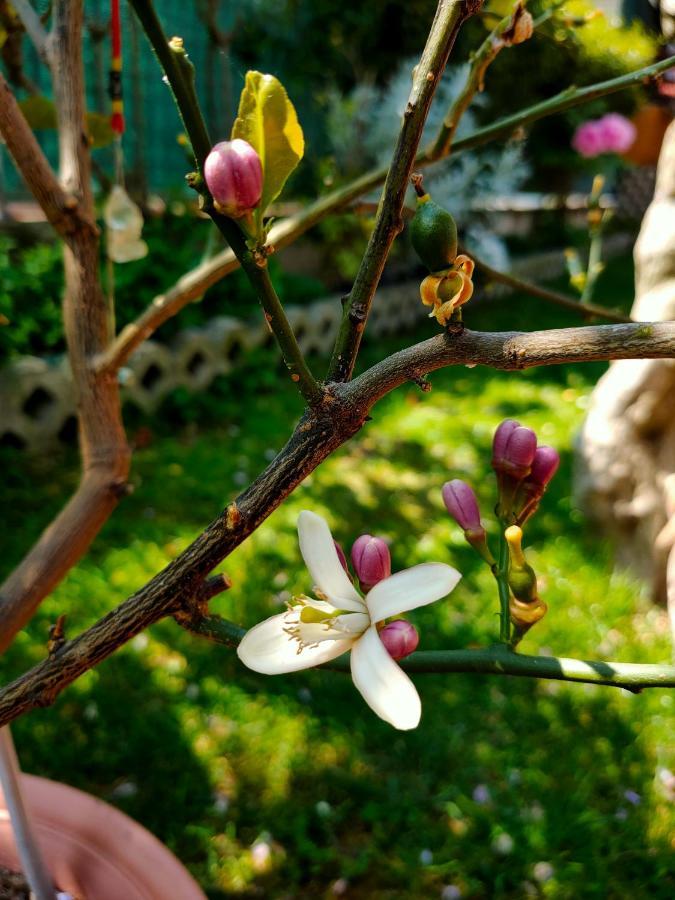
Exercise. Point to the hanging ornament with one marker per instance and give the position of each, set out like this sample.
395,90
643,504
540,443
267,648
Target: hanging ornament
123,218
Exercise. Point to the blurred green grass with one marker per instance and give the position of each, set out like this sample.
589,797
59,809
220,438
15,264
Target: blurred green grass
290,787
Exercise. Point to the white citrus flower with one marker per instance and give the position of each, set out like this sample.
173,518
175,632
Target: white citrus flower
314,631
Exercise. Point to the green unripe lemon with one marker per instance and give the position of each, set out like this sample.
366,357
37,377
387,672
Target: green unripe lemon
434,235
523,583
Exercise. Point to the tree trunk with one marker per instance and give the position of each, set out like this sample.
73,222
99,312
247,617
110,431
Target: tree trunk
626,471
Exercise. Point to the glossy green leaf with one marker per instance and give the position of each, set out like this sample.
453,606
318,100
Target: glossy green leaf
268,121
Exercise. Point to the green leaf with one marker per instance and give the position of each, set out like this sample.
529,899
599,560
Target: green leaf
268,121
99,130
40,113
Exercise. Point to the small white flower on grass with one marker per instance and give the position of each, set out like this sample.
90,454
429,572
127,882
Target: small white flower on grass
314,631
503,844
543,872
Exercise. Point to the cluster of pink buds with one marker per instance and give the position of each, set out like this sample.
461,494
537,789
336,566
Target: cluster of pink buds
371,562
523,470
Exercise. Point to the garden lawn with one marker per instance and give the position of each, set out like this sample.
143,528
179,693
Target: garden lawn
290,787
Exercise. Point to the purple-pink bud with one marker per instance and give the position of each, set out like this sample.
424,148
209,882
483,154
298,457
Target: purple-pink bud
514,452
400,638
544,466
371,560
461,503
501,438
234,176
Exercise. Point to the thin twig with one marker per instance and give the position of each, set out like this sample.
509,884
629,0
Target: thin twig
588,310
182,91
34,27
103,445
180,76
342,412
495,660
450,15
61,209
501,36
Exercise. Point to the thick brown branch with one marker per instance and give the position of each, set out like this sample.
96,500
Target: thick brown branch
60,208
342,413
514,350
105,454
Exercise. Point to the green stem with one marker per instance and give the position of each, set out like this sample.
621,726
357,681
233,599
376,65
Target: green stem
501,573
179,79
258,275
496,660
594,267
587,309
180,75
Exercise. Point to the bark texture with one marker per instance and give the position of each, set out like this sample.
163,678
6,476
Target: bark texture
626,473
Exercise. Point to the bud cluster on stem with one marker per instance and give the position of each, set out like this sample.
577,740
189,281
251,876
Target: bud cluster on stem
523,472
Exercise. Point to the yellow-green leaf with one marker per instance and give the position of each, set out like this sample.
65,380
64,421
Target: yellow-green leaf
99,130
40,113
268,121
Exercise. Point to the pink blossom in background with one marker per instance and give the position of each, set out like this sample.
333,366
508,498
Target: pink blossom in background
588,139
612,133
618,132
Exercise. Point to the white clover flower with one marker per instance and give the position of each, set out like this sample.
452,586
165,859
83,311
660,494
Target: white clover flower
314,631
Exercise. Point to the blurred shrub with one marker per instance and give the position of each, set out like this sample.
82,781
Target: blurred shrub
32,283
558,55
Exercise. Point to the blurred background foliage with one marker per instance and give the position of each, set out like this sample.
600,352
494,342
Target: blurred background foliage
350,98
290,787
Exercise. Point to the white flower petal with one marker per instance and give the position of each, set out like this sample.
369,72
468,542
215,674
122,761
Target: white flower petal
352,623
410,588
268,649
318,551
384,686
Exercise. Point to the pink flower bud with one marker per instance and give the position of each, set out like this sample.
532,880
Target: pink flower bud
513,449
400,638
234,176
461,503
544,466
371,560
